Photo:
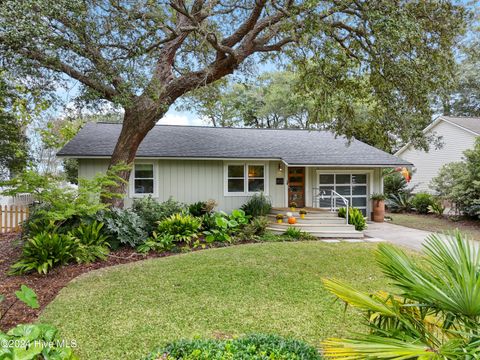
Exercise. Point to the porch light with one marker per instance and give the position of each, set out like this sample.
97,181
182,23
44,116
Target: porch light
280,167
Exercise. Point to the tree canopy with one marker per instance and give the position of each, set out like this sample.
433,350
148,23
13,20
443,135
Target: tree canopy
13,141
143,55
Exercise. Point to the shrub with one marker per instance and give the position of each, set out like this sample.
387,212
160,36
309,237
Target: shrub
252,347
197,209
254,229
297,234
151,211
158,243
221,230
436,207
257,205
421,202
124,226
44,251
399,203
394,183
433,311
181,227
92,241
356,218
62,205
378,196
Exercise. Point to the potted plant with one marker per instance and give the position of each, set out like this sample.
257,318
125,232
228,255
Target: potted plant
292,220
293,205
279,218
378,213
302,213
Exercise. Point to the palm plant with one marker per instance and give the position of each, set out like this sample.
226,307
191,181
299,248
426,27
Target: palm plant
435,314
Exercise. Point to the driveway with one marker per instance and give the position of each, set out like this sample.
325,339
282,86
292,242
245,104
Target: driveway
396,234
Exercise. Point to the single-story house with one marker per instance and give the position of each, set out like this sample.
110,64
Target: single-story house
457,135
229,165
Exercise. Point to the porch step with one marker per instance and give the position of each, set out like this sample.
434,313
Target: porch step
313,227
331,234
312,220
310,213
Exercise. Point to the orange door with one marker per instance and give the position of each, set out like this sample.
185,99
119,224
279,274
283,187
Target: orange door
296,186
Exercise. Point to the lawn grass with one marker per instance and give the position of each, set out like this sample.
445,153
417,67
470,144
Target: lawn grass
433,223
125,311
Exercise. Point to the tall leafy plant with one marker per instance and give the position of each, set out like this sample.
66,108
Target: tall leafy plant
433,313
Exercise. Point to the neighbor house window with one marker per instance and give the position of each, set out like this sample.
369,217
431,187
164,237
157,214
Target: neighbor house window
143,179
243,179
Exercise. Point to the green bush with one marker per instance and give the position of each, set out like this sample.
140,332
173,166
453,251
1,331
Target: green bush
151,211
399,203
64,206
251,347
182,227
157,243
355,217
421,202
255,228
297,234
124,227
394,183
92,241
257,205
44,251
436,207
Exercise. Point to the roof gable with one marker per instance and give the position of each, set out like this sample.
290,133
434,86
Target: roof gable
468,124
295,147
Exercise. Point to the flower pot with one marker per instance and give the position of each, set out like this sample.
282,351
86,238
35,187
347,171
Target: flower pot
302,216
279,221
378,210
292,208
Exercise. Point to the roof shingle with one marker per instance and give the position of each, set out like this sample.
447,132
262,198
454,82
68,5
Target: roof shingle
295,147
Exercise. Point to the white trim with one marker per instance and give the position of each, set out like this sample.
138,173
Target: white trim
432,125
266,171
132,193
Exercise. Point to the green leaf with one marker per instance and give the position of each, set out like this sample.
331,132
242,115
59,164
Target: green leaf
27,296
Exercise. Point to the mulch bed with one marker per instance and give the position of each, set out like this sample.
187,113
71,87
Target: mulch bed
46,286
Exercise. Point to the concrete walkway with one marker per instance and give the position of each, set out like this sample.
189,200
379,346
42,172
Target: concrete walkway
397,234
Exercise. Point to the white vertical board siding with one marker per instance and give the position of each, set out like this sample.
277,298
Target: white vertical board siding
189,181
427,164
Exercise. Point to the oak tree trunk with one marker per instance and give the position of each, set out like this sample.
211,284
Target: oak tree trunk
131,136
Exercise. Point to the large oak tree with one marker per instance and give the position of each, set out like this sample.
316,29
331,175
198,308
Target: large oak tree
143,55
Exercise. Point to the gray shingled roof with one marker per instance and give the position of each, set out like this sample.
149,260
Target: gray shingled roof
470,123
295,147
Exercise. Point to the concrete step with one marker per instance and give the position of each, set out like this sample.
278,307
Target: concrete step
309,220
313,227
310,213
335,234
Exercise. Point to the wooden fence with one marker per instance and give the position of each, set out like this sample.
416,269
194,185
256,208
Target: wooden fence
11,217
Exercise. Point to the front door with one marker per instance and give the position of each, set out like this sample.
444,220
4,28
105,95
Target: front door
296,186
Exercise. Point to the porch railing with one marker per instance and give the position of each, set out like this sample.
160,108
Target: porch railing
319,195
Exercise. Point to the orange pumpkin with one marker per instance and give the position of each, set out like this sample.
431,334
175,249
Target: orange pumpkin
292,220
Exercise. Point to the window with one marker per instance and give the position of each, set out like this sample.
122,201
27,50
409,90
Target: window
256,178
236,178
143,181
351,186
242,179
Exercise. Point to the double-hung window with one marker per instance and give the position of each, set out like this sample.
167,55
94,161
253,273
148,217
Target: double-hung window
143,181
244,179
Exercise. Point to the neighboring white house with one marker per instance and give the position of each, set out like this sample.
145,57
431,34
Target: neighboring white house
230,165
458,134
